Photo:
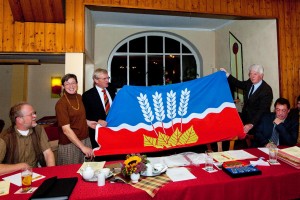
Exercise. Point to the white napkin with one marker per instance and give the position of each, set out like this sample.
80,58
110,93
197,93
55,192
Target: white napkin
259,162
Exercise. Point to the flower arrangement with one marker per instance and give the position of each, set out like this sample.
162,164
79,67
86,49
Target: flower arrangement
134,163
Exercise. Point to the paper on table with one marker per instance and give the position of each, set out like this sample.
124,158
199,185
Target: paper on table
4,187
94,165
222,156
196,158
264,149
240,154
179,174
176,161
16,178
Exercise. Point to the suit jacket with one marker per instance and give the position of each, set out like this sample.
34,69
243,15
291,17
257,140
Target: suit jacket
287,130
258,103
94,108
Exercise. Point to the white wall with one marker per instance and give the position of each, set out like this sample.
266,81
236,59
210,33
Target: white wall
5,92
39,87
259,43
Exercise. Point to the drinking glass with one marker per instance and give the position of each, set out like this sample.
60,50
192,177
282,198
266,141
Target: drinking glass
26,179
273,151
209,161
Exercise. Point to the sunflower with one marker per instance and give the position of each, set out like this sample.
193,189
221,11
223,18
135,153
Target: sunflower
134,163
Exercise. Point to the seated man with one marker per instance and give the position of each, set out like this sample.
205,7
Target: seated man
277,127
25,141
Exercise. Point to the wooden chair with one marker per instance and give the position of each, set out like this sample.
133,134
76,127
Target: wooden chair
219,145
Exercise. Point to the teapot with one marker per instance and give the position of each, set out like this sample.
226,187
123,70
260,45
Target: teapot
88,173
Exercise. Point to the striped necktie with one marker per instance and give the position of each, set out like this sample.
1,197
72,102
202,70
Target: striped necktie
106,101
275,137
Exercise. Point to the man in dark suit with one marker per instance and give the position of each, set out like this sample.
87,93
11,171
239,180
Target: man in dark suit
94,102
257,101
279,127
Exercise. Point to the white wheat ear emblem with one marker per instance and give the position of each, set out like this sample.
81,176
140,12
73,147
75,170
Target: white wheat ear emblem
171,106
184,101
159,108
146,109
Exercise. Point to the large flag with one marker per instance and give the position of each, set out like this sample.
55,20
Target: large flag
156,118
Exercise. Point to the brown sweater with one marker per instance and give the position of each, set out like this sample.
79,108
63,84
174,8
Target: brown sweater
70,114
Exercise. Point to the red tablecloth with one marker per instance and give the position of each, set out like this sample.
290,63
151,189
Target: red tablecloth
276,182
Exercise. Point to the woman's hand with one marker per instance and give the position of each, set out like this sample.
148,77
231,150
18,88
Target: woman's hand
88,152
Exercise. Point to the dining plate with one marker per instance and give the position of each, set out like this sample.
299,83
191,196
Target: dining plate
155,172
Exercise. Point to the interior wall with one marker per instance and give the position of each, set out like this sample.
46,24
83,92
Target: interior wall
39,87
259,46
5,91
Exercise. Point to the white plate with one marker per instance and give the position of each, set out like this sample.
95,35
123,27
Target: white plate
155,172
95,178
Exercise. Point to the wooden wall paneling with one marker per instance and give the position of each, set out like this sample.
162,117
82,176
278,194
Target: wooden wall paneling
38,10
8,29
210,6
26,9
17,10
275,10
250,7
158,3
120,2
60,38
203,6
256,8
237,7
40,37
47,10
283,51
57,6
217,6
289,58
262,7
132,3
50,33
269,11
19,36
188,5
1,23
79,24
223,6
29,42
145,3
70,25
230,6
297,67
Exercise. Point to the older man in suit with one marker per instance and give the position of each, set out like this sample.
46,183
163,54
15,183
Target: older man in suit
97,102
258,96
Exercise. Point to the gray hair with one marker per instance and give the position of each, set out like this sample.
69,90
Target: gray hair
256,68
99,71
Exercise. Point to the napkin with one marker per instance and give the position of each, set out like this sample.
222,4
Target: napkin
259,162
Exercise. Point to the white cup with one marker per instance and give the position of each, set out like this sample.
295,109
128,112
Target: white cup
209,161
149,171
105,171
101,179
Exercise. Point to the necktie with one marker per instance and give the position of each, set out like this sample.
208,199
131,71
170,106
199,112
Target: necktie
251,91
106,101
275,137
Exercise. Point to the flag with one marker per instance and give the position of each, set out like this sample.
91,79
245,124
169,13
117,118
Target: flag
157,118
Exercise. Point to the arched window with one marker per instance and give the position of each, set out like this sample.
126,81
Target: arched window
153,58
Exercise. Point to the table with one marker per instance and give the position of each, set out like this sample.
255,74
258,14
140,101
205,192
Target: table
276,182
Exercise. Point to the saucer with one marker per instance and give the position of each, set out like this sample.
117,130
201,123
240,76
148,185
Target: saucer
155,172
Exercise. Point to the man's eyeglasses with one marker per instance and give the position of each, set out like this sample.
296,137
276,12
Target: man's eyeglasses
31,114
107,78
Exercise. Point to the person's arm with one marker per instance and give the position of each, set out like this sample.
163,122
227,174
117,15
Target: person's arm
288,132
9,168
49,157
74,139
